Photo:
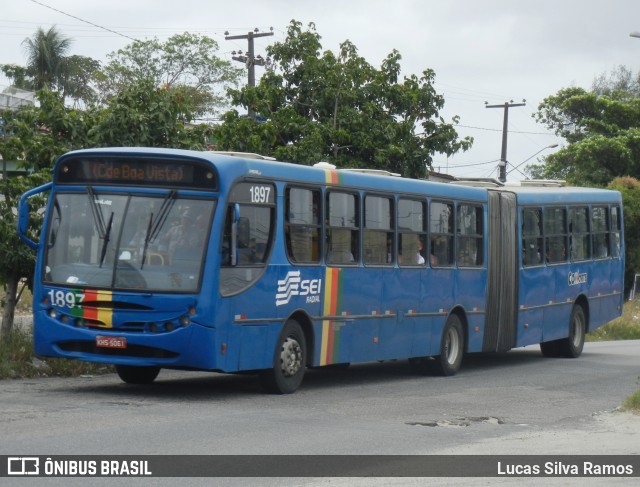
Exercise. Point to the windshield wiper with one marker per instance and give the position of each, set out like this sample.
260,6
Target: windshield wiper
105,240
154,227
104,231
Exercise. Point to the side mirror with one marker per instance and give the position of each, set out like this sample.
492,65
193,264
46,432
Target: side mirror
23,214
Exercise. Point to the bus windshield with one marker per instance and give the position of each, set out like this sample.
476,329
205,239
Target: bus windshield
127,241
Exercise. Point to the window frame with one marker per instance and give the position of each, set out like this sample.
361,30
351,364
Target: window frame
289,226
598,232
389,231
422,234
555,235
585,236
449,236
355,230
477,237
260,266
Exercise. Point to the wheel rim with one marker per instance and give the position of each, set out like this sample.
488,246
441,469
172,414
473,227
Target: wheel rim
291,357
578,330
452,346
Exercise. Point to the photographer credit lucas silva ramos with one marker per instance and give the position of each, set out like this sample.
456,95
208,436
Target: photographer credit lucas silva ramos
557,468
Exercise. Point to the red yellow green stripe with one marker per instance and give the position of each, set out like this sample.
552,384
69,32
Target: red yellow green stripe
95,313
332,176
332,305
330,345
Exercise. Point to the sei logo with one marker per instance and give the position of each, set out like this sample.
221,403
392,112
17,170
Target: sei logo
293,285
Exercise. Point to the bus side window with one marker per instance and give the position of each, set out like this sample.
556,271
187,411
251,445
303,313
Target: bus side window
579,238
248,235
555,232
441,226
470,236
600,232
531,236
412,233
616,225
303,225
378,230
343,228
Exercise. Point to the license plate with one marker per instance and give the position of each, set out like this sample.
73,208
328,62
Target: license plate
111,342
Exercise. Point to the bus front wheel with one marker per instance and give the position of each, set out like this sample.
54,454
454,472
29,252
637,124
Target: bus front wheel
289,361
137,375
451,347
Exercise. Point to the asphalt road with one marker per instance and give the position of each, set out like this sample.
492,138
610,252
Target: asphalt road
516,402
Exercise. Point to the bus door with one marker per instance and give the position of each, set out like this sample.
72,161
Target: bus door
537,281
558,294
502,275
410,285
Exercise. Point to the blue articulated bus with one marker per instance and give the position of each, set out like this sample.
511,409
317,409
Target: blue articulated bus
160,258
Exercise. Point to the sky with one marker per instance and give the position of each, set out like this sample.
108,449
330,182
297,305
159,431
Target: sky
494,51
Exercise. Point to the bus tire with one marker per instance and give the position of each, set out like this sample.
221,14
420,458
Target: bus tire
137,375
571,347
449,360
289,361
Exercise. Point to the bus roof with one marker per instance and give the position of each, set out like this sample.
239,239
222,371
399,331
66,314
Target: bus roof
561,195
232,166
237,165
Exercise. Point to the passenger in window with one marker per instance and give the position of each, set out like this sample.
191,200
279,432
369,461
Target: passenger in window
421,260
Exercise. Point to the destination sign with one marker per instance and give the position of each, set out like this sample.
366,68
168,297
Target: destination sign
137,171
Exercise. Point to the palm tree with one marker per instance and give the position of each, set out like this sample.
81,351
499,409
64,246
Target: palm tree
46,53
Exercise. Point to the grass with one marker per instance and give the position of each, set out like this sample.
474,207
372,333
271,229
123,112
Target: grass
627,327
632,403
17,360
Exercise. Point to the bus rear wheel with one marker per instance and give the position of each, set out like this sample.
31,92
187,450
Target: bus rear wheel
449,360
289,361
137,375
571,347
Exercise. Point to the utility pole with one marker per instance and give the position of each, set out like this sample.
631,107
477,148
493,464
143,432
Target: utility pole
503,156
249,59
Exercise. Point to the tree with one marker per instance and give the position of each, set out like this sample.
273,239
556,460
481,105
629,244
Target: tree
77,79
185,62
16,259
630,189
621,80
18,75
317,105
45,54
145,115
140,115
49,67
37,135
603,135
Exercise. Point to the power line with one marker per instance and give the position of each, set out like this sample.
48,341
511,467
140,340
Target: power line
500,130
473,164
85,21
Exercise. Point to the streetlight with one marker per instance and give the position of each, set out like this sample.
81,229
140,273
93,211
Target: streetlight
515,168
635,34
